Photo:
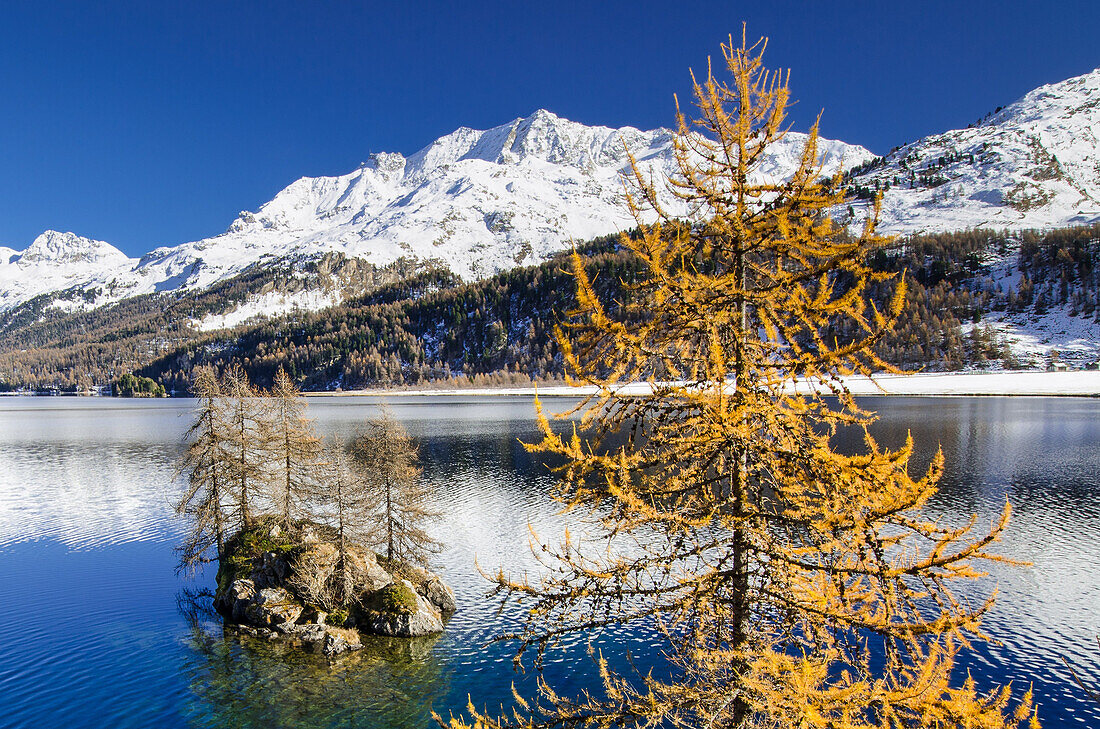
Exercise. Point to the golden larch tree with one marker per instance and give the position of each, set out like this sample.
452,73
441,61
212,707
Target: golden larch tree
794,584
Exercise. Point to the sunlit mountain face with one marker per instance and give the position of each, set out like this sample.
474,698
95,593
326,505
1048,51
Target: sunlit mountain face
476,202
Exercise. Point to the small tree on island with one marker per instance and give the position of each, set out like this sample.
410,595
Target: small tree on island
258,477
794,585
349,503
294,446
387,458
247,436
205,463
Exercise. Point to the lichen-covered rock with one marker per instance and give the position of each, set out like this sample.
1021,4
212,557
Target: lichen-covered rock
430,586
273,607
399,610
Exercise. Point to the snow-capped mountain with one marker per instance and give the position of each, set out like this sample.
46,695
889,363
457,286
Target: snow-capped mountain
477,202
1032,164
56,261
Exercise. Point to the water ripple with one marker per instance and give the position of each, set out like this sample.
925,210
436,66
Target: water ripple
86,537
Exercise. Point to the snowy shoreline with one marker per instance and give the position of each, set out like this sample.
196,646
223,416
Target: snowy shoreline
1081,383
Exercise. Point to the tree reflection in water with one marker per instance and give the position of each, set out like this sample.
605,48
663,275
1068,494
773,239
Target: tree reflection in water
243,682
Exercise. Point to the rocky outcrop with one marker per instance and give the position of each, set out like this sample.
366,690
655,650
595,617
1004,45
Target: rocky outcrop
273,607
440,595
399,610
292,576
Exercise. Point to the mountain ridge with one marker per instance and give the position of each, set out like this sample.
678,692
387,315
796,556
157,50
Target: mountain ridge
1032,164
474,201
478,202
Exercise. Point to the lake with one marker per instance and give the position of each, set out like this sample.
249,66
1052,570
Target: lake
99,630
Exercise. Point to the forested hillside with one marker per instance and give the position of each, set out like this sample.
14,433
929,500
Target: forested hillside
416,331
974,300
501,330
45,345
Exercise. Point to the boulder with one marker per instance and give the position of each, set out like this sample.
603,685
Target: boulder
399,610
273,607
440,595
367,574
340,640
236,598
327,639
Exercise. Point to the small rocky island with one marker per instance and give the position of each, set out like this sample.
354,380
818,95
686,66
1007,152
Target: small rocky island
317,543
272,578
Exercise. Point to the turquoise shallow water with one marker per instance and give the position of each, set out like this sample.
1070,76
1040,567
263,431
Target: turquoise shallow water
99,634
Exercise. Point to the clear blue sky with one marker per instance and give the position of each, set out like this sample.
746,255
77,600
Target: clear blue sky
153,123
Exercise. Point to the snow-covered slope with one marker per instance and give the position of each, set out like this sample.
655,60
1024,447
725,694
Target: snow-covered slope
56,261
477,202
1033,164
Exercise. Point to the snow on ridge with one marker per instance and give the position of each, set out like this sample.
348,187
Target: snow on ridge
478,202
56,261
273,303
1033,164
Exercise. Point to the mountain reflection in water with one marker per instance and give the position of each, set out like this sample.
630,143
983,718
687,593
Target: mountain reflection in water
87,536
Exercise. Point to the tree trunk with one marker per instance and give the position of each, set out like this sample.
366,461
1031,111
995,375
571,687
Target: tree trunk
739,543
389,521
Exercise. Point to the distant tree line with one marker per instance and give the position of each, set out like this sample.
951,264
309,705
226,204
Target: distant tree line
68,348
424,327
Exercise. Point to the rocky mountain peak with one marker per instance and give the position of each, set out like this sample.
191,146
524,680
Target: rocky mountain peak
1033,164
62,248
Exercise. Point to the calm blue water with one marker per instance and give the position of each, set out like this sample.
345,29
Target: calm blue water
98,632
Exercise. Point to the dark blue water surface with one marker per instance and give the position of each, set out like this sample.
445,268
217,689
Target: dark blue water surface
98,631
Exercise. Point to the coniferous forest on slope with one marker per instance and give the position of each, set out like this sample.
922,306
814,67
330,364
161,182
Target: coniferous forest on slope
415,326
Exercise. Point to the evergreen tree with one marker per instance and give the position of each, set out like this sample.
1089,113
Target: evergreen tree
795,585
387,458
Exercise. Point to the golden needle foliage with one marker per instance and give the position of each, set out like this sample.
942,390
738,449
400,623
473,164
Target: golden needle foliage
796,586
